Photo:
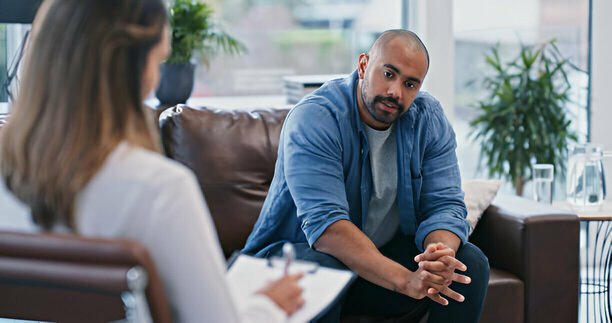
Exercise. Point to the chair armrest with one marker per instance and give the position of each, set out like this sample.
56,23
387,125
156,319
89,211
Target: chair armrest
540,245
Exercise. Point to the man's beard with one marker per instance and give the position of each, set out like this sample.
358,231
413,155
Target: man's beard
381,115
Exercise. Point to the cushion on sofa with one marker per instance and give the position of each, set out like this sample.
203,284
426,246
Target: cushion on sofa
506,298
479,193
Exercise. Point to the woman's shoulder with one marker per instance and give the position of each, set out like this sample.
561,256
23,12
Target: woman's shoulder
126,192
131,174
136,164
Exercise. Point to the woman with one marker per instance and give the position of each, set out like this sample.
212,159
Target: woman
79,154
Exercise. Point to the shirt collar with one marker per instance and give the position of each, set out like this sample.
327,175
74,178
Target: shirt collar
353,81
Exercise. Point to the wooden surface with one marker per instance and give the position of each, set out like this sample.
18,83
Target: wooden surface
604,214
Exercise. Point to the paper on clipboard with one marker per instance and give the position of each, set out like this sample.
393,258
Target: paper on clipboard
321,285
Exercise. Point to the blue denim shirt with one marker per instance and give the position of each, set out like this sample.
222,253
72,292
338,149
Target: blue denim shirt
323,171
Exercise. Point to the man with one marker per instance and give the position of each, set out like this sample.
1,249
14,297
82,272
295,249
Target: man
367,178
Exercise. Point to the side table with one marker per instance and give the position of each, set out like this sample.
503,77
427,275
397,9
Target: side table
595,263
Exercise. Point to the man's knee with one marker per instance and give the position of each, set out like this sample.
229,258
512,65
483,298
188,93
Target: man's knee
476,262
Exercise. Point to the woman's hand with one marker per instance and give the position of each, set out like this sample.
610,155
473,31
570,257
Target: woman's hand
286,292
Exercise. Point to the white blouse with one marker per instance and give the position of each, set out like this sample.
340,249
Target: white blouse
145,197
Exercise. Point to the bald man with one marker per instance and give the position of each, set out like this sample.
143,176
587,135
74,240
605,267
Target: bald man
367,179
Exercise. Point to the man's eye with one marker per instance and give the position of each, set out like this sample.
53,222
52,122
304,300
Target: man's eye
409,85
388,74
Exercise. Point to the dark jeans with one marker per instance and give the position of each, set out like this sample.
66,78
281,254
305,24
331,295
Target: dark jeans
366,298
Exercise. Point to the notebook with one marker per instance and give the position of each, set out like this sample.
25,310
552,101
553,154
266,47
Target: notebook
322,285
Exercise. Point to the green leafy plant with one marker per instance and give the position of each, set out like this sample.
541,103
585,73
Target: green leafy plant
195,33
524,119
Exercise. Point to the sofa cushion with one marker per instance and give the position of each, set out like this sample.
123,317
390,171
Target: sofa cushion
505,298
479,193
233,154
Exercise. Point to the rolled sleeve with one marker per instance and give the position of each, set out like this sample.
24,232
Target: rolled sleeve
441,201
313,168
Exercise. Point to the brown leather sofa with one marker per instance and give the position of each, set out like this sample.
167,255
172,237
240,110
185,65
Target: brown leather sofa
532,249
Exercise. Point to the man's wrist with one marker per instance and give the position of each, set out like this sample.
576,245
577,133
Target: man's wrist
447,238
400,279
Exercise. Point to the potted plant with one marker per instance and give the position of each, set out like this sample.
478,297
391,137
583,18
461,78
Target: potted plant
194,35
524,119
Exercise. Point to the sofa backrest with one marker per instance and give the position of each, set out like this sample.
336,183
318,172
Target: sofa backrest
232,153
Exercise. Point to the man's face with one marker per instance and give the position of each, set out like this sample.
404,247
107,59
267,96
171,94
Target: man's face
390,80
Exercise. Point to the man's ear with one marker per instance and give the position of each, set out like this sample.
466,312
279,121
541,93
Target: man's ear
362,64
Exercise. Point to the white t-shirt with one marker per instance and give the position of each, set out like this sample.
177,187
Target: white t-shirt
145,197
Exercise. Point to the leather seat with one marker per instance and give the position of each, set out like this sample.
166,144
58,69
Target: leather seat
68,278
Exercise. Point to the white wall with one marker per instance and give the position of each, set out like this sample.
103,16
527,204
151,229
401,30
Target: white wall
495,21
432,20
601,96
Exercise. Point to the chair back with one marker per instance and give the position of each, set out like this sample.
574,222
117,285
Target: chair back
69,278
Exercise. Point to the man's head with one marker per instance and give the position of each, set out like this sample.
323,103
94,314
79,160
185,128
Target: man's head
390,77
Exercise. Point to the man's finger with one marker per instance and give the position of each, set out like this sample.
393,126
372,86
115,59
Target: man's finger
434,280
434,266
461,279
453,262
434,255
431,248
438,299
452,294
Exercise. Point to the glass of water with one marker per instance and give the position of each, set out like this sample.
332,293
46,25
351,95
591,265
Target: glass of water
543,175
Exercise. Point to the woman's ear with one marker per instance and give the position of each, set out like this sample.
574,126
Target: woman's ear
362,64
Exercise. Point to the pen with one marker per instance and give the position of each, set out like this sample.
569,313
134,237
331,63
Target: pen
289,254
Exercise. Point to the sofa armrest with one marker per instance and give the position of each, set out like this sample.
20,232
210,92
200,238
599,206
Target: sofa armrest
540,245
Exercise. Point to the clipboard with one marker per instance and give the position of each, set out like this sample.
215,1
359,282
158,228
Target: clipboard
323,286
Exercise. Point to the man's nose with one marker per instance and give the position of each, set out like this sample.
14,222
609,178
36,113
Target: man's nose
395,91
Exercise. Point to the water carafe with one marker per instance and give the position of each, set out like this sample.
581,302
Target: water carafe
586,181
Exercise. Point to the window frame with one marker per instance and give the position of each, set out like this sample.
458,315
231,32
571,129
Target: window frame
14,38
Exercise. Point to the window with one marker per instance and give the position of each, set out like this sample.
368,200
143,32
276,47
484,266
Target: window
293,37
510,23
3,63
15,17
12,39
